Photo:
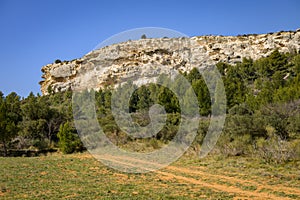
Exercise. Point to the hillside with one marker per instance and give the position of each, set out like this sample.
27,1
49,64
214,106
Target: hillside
149,56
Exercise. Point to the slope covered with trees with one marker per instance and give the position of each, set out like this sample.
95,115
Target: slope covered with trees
263,112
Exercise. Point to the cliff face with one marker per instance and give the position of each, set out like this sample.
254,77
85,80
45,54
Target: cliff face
149,57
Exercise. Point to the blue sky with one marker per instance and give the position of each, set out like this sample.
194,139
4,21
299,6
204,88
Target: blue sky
34,33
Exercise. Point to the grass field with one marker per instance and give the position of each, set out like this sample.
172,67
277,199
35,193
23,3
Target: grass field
80,176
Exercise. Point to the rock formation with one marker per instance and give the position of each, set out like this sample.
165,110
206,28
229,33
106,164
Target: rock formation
149,57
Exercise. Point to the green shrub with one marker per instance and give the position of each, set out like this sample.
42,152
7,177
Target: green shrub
143,36
154,143
274,149
40,144
235,145
57,61
68,141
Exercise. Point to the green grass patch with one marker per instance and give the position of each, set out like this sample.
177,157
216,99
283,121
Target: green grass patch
80,176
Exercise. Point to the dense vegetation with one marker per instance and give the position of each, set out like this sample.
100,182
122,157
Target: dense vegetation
263,112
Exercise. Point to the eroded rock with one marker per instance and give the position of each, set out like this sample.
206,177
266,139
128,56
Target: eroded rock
148,57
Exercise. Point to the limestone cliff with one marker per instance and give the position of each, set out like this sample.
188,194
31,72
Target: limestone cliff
148,57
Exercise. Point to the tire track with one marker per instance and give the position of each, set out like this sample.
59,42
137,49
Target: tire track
259,186
131,162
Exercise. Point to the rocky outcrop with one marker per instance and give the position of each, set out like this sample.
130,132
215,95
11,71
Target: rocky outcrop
149,57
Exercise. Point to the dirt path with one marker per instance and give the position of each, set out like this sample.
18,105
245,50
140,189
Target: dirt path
213,181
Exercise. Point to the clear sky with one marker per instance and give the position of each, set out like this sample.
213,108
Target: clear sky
34,33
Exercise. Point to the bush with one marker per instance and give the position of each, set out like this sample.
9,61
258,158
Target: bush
234,145
143,36
274,149
154,143
202,130
40,144
68,141
57,61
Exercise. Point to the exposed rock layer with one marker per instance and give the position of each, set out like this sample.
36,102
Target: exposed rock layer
148,57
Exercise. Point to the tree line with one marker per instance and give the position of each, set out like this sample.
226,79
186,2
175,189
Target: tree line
262,105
